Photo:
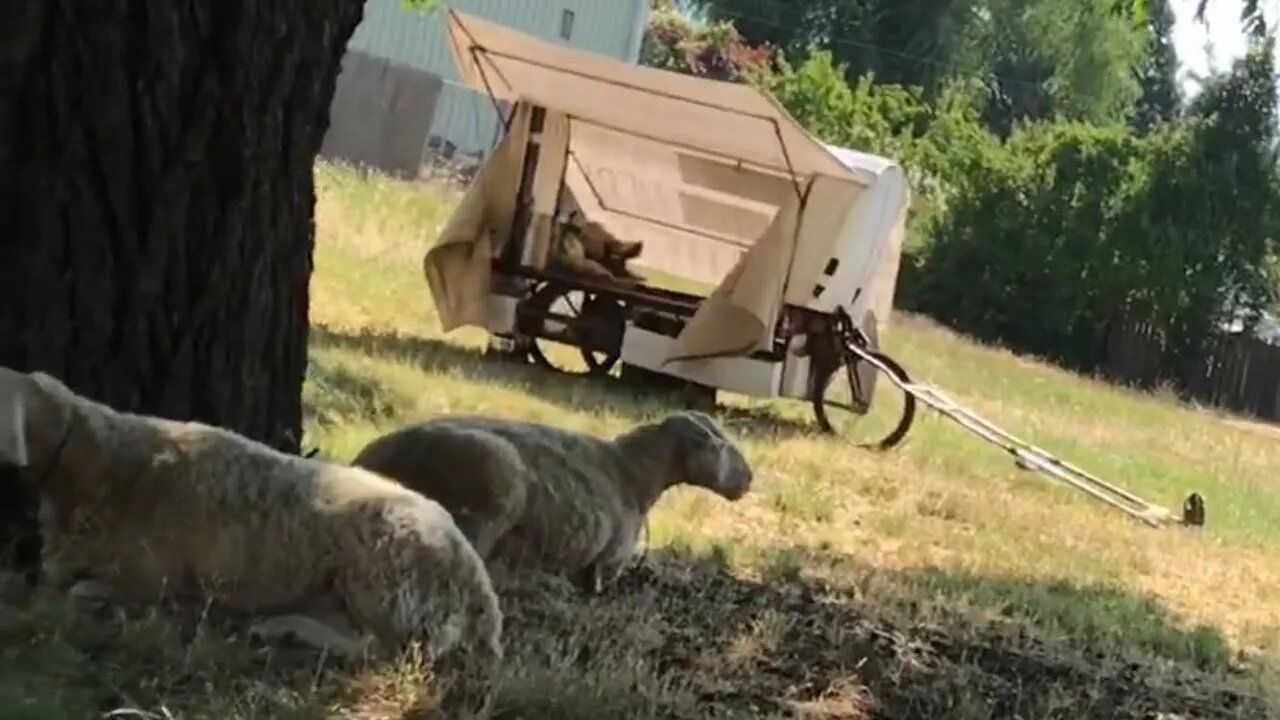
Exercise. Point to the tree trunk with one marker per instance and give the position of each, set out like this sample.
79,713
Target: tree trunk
156,205
156,199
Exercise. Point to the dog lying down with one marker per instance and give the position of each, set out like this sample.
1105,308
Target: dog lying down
587,247
132,507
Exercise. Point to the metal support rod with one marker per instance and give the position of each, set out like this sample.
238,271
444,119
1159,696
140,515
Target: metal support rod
1025,454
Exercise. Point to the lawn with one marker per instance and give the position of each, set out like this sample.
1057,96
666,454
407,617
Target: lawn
936,581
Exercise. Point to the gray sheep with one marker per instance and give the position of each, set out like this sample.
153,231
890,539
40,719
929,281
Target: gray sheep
535,497
134,506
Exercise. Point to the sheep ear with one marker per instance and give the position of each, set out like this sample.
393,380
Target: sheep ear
13,426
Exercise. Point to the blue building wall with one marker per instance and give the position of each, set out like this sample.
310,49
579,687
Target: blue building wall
467,118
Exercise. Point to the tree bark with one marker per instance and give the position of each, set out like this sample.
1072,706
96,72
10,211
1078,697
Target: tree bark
156,199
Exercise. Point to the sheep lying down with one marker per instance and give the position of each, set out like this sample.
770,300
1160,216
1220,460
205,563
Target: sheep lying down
562,502
134,506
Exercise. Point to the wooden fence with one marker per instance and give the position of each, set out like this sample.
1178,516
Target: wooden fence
1242,375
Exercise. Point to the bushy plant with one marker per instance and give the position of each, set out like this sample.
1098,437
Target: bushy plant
717,51
1067,228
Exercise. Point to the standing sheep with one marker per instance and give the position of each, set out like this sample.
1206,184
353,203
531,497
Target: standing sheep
563,502
133,506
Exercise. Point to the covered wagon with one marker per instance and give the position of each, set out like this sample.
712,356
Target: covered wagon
670,225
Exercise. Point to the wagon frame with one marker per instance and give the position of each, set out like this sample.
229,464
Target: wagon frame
833,341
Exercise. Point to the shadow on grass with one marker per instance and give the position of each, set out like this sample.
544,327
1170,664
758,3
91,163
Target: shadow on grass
682,636
342,393
929,644
576,392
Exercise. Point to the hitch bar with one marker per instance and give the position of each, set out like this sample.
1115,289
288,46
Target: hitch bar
1030,457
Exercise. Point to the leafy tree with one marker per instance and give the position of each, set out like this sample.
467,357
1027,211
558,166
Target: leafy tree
873,117
156,199
1161,97
1022,256
1218,202
1038,58
1056,58
933,139
906,42
1069,227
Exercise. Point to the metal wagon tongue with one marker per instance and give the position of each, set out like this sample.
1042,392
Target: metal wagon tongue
1030,457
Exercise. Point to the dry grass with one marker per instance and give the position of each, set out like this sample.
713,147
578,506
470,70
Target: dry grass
934,582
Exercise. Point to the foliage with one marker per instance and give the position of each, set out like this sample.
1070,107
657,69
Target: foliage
426,6
1161,96
715,50
879,118
1049,58
909,42
1036,58
1025,254
1219,198
937,142
1069,227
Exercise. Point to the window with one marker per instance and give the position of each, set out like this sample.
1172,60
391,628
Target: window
566,24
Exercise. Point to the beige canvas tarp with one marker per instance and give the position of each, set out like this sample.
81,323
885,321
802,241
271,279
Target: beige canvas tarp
458,265
696,215
739,316
726,118
733,229
707,174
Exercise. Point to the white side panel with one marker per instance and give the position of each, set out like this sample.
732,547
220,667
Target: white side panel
858,249
736,374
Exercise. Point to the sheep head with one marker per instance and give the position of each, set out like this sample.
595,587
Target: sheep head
705,457
34,417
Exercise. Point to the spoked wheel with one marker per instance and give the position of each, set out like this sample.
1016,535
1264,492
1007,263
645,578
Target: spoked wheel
841,403
582,323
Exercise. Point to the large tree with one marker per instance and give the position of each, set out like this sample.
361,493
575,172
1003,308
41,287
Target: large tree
156,199
1161,97
1065,58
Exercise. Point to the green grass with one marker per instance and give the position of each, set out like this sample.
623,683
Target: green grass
935,581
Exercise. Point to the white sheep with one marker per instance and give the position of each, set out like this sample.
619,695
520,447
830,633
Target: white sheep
561,502
134,506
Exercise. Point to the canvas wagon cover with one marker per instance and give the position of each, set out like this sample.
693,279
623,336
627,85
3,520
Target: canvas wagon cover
637,125
695,214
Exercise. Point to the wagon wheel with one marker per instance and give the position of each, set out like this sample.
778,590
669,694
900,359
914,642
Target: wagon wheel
580,318
846,385
839,409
